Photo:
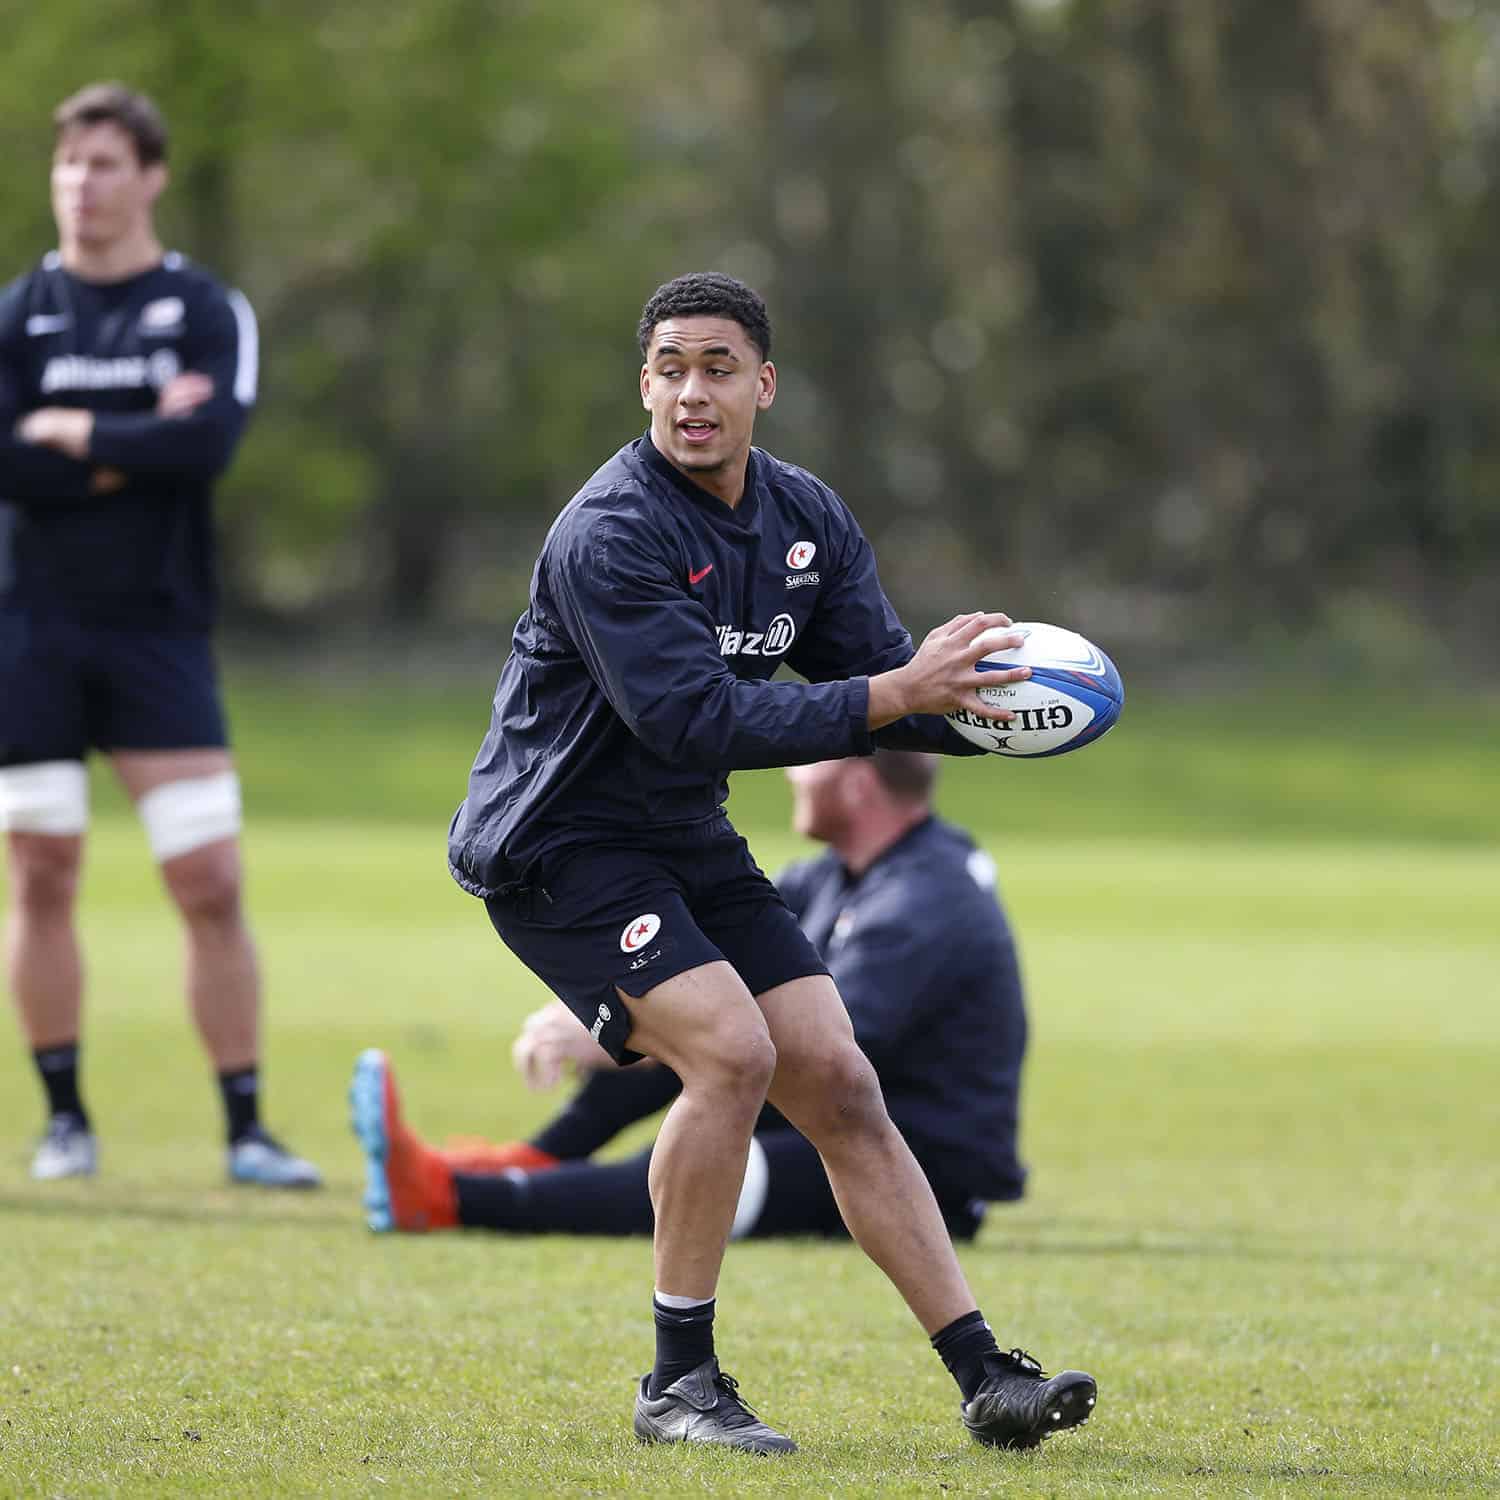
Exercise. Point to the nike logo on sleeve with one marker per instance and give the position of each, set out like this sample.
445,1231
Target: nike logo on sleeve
700,574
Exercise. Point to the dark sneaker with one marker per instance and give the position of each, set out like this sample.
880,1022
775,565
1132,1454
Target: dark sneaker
1018,1406
704,1406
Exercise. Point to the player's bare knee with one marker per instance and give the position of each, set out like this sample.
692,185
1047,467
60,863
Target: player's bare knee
847,1102
736,1059
205,885
755,1065
44,873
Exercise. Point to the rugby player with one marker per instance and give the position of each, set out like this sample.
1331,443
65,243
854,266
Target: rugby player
126,377
667,594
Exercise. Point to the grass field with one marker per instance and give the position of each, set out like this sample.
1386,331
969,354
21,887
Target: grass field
1263,960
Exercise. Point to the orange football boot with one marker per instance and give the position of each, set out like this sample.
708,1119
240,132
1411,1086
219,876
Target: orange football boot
408,1185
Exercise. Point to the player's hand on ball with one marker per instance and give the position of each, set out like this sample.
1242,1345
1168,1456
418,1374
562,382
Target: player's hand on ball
941,677
550,1039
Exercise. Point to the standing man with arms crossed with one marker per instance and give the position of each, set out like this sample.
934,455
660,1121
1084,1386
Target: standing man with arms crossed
126,376
666,595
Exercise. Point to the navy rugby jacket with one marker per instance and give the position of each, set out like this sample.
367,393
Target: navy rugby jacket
141,555
639,675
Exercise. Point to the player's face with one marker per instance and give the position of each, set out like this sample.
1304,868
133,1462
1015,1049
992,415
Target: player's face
100,190
703,382
820,802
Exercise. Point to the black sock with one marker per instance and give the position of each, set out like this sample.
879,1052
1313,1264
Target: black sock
577,1198
604,1105
241,1090
684,1339
963,1345
58,1067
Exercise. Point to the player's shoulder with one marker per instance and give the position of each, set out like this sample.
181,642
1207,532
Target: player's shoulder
23,294
787,480
805,506
616,503
181,276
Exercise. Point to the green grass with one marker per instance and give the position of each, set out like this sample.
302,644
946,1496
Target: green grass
1260,1111
1302,766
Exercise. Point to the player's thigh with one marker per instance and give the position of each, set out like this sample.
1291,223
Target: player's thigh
808,1022
823,1080
143,771
610,933
701,1021
155,691
189,805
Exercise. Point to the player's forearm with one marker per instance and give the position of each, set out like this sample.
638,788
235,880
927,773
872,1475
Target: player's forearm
734,725
199,443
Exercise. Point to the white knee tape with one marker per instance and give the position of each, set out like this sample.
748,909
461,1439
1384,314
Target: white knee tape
753,1192
181,816
51,796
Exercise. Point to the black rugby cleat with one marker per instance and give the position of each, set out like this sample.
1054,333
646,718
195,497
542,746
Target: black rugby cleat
704,1406
1018,1406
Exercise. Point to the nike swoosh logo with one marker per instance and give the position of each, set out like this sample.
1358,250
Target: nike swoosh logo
40,323
701,574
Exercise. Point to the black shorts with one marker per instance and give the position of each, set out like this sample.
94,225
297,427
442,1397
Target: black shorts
602,916
67,687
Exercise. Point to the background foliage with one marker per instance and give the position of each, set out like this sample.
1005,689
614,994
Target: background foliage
1174,317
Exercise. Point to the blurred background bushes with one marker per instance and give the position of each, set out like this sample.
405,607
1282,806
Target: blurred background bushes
1175,320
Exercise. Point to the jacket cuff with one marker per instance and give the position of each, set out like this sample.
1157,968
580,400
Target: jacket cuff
859,716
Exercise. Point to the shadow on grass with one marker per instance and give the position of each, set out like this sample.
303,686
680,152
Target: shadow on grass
1175,1243
238,1206
320,1210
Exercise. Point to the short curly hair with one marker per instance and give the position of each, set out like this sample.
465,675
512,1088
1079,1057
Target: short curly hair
707,294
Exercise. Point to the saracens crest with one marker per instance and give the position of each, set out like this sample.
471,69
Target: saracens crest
639,931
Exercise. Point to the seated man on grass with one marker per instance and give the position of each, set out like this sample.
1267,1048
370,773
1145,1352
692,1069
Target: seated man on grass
903,908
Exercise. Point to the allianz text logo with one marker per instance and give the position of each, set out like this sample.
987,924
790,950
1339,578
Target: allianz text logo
81,372
774,640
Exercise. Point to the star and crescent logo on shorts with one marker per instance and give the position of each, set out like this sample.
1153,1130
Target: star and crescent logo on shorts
639,931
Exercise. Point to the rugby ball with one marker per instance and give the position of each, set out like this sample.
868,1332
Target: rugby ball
1073,695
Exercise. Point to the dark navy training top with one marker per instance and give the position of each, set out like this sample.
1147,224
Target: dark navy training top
142,555
639,675
924,959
